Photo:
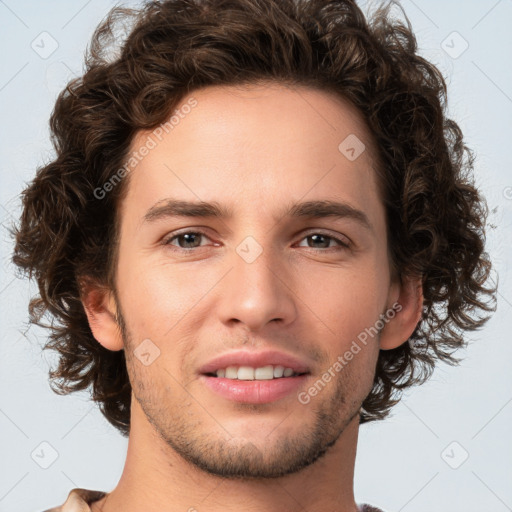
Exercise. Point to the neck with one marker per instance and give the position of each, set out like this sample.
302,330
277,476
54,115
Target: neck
155,478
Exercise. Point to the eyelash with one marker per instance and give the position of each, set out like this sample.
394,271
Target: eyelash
167,241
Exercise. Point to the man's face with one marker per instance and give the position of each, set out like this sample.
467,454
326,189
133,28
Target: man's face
290,287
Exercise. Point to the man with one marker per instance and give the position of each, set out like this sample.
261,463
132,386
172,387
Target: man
258,227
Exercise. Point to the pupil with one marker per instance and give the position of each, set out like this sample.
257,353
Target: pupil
320,236
186,236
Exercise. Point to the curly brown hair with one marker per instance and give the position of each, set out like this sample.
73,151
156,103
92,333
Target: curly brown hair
165,50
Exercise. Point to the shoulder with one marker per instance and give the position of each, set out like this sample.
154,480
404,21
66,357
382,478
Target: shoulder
78,500
368,508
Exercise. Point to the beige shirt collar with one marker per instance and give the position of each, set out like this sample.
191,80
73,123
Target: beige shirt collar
79,501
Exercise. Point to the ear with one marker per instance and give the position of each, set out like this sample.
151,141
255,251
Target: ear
101,311
407,294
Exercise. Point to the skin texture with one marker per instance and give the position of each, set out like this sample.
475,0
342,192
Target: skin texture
255,149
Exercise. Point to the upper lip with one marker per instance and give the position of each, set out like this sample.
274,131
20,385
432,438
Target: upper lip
255,360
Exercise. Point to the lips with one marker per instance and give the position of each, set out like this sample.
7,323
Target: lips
254,392
255,360
219,376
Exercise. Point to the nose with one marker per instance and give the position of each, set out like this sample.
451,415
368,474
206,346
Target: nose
258,292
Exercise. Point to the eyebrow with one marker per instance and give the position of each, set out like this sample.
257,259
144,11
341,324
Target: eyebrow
317,209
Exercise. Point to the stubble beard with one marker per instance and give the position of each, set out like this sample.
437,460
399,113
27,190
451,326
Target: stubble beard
237,457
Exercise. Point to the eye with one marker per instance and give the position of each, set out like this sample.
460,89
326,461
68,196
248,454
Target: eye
186,240
324,241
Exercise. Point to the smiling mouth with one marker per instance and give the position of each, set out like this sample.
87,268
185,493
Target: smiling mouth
248,373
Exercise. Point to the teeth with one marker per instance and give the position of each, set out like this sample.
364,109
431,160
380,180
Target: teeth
231,372
245,373
264,373
268,372
278,371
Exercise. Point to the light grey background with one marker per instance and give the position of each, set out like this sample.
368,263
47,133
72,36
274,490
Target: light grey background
405,463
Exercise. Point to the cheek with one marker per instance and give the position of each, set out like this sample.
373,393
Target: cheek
157,295
145,306
347,299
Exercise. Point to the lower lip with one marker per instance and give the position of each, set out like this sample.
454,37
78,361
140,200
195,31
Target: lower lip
254,391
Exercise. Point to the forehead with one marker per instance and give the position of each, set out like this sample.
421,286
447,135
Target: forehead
271,109
258,143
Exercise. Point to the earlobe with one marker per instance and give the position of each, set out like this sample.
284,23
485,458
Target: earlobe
408,294
101,311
